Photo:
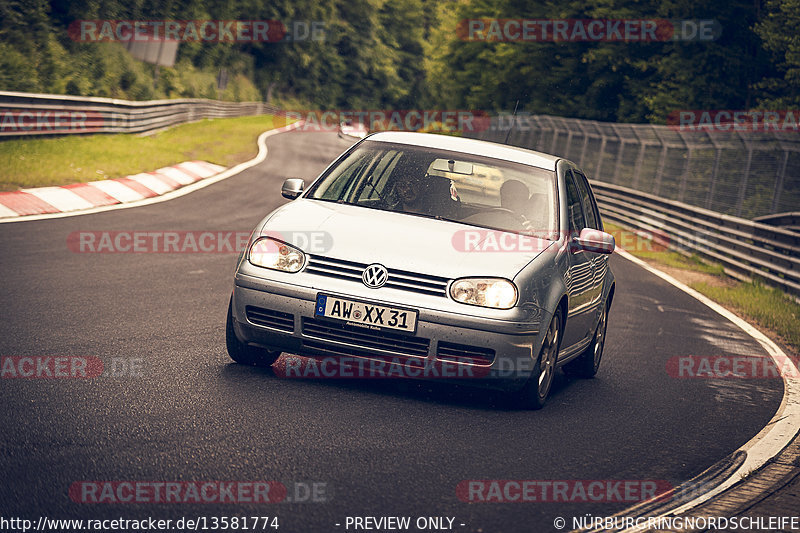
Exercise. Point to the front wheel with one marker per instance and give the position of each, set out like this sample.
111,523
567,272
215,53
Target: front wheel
534,394
242,353
587,363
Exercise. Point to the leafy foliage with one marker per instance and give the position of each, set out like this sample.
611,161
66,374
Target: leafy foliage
778,31
409,54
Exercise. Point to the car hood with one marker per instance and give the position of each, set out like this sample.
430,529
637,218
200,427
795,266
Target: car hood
401,241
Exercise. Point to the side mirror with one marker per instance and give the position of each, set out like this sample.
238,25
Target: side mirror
594,240
292,188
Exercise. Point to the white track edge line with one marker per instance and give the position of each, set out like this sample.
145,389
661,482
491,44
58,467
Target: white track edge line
261,156
784,425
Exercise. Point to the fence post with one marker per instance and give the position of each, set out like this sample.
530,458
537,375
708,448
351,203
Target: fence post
638,168
714,170
662,160
743,186
602,153
582,161
555,136
618,166
776,196
687,166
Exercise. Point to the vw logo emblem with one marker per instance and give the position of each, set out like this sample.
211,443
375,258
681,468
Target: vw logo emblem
375,276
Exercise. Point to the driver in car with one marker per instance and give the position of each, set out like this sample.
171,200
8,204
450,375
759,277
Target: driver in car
429,195
410,192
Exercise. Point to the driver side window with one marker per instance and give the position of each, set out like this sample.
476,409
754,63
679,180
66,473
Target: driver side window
592,217
374,185
574,210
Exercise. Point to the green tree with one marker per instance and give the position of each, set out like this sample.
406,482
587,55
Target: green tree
778,31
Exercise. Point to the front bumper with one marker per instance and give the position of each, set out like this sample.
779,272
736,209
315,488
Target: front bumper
499,354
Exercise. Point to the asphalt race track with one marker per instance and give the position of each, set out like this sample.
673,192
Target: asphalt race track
376,448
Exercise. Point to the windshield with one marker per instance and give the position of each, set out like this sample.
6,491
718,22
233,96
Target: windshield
470,189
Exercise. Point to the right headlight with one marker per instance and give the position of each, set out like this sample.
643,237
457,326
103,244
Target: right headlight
267,252
497,293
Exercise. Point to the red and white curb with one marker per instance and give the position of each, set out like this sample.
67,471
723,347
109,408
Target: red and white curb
141,199
80,196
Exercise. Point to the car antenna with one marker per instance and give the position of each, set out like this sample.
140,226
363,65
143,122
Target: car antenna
513,122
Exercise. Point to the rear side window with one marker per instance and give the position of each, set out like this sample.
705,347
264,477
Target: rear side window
587,199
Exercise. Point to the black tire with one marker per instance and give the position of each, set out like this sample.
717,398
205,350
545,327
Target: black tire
242,353
534,394
587,363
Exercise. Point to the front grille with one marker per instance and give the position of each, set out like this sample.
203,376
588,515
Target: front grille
462,353
270,318
398,279
353,340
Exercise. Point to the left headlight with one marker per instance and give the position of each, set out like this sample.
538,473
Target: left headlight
271,253
498,293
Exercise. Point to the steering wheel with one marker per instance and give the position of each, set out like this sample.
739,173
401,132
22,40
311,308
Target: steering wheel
519,217
494,217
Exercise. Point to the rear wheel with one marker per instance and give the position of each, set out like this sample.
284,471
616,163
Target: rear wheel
587,364
242,353
534,394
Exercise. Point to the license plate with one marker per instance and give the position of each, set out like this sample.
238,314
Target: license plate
367,315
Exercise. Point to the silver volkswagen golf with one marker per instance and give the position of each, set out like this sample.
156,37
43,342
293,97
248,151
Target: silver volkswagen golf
475,261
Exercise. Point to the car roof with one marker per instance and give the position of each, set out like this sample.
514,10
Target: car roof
469,146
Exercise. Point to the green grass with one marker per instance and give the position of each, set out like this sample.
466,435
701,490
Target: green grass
74,159
764,306
650,251
676,260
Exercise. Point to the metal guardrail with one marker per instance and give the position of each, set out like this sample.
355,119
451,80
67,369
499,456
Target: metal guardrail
24,114
790,221
745,248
